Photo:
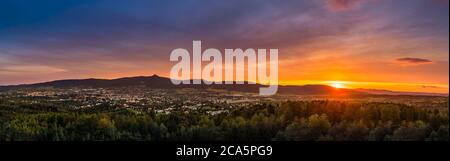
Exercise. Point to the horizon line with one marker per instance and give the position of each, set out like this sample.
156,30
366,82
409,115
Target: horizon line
286,83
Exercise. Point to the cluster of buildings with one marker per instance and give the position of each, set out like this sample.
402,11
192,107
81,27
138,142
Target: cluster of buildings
145,99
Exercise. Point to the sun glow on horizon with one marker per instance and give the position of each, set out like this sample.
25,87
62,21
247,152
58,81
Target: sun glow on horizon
337,84
392,86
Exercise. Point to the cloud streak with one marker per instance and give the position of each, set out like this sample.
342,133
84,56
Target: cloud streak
413,61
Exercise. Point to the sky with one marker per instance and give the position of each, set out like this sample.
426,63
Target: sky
376,44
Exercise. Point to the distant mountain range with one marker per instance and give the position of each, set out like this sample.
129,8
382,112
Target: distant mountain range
387,92
156,81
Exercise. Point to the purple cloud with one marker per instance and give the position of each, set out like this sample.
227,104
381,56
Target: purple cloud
343,5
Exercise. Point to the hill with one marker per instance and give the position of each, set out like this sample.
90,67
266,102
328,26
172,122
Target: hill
156,81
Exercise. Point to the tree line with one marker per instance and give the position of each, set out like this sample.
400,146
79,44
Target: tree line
272,121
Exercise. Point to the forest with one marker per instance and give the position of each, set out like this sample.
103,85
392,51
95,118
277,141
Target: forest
272,121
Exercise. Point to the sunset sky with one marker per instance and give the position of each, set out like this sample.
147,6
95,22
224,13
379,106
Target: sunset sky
397,45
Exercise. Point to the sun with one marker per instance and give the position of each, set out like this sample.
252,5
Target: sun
337,84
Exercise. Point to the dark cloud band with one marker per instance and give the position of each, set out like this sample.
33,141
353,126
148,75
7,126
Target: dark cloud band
414,60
